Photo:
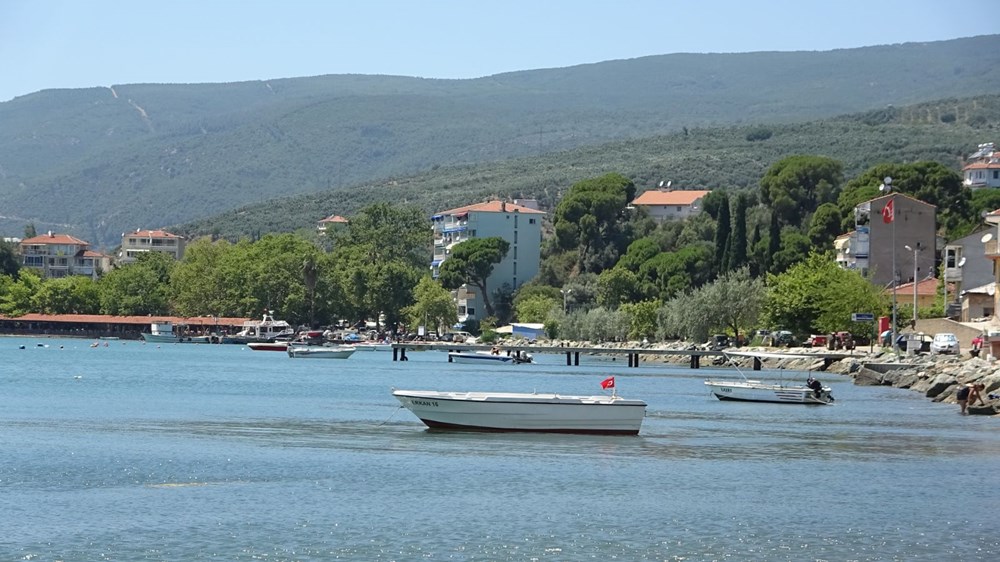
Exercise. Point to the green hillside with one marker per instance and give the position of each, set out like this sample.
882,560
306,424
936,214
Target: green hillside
98,161
711,158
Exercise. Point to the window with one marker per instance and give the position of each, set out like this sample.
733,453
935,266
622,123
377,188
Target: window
515,252
531,221
996,174
987,311
678,208
471,311
515,268
461,309
515,239
33,261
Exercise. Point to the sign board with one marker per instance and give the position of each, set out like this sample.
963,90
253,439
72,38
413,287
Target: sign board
862,317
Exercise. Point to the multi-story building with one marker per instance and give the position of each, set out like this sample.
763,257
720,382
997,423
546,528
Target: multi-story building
141,241
877,242
664,205
518,224
62,255
982,168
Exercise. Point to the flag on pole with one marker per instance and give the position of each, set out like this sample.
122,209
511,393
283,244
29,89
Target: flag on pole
608,383
888,212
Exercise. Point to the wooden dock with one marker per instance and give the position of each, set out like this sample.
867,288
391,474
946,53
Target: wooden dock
573,353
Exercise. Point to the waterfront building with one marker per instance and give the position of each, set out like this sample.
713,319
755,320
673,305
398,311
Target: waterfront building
670,204
869,247
519,224
61,255
141,241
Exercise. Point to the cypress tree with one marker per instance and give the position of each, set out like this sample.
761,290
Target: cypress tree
722,231
773,242
755,265
738,247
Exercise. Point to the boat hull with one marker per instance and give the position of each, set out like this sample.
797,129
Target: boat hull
748,391
543,413
320,352
481,358
159,338
268,346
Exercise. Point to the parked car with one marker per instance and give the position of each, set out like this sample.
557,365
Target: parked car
817,340
924,340
945,343
781,338
717,342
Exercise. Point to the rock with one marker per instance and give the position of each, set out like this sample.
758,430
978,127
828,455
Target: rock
868,377
940,384
987,410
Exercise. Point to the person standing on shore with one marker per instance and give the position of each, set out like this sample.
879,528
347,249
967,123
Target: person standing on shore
968,394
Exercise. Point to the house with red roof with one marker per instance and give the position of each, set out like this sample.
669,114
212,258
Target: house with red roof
670,204
331,224
61,255
982,168
518,222
142,241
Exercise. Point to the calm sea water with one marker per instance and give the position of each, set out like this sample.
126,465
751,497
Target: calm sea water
195,452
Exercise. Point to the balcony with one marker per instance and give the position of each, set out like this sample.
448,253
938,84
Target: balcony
992,251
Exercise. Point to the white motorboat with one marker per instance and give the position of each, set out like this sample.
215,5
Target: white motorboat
322,351
509,411
265,330
494,357
746,390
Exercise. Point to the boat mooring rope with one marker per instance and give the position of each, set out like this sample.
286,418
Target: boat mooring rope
398,408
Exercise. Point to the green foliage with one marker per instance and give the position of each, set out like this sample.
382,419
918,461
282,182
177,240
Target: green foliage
595,325
472,262
589,219
722,232
536,309
75,294
641,318
617,286
137,289
737,257
817,296
825,226
794,186
731,303
8,259
759,134
670,273
16,295
433,306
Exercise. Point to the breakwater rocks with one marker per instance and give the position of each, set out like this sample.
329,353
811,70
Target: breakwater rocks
938,377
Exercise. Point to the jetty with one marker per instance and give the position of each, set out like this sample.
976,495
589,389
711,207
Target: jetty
573,353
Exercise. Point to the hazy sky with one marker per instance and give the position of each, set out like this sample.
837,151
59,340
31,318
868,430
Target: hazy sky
83,43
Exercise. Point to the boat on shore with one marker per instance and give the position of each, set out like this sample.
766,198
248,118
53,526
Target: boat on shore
321,351
523,412
747,390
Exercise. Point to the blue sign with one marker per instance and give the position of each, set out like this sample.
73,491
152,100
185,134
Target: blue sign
862,317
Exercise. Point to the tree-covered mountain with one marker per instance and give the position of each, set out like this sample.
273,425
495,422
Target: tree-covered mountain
703,158
95,162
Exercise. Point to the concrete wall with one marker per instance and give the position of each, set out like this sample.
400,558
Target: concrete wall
964,333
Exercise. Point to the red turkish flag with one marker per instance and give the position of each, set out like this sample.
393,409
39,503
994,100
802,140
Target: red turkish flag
888,212
608,383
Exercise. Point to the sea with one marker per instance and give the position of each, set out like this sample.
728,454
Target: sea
125,451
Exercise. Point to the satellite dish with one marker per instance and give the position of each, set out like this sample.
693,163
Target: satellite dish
986,237
961,262
847,251
669,182
661,183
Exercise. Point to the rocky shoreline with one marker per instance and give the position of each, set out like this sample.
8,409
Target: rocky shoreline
938,377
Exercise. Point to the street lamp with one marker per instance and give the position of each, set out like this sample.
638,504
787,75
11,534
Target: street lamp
565,294
914,250
889,215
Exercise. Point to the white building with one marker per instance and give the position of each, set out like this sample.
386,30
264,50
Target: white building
665,205
60,255
519,225
982,168
142,241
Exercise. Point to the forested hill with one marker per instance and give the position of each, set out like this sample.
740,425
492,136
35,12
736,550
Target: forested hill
945,131
95,162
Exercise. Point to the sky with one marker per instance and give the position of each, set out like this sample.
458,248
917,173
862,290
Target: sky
85,43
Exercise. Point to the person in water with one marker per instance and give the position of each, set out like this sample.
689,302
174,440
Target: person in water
968,394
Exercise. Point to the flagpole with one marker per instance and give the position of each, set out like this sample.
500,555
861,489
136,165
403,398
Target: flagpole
887,187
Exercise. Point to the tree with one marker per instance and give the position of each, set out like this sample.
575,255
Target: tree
536,308
76,294
432,307
641,318
16,295
29,230
722,232
817,296
136,289
825,226
591,219
738,243
8,259
730,303
794,186
773,241
471,262
617,286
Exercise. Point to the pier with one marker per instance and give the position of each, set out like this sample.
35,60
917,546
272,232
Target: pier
573,353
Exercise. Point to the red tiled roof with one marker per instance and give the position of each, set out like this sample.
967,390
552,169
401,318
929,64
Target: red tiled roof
143,320
676,197
982,165
151,234
925,287
54,239
493,207
93,254
334,218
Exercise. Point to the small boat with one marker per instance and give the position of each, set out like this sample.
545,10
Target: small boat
309,338
373,346
160,332
746,390
510,411
265,330
321,351
493,356
268,346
